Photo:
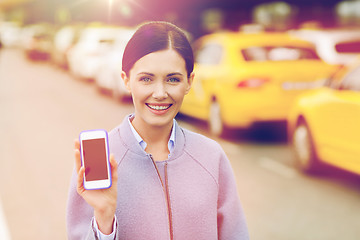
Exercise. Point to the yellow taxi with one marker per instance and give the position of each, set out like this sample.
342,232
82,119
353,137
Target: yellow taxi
324,124
244,78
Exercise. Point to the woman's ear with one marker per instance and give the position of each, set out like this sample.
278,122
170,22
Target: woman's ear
126,81
190,81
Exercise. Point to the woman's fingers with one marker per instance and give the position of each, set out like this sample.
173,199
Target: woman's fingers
79,169
77,155
80,182
113,164
77,160
76,144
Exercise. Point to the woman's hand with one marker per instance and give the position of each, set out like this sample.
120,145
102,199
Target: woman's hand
102,200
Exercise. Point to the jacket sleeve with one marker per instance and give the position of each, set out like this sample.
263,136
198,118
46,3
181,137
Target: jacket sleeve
231,218
79,215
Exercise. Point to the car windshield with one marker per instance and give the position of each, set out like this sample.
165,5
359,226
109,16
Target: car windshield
278,53
348,47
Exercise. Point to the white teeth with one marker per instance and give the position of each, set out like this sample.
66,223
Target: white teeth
159,107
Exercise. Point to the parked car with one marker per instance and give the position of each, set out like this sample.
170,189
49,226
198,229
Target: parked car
245,78
10,34
85,56
64,39
339,46
38,41
108,77
324,123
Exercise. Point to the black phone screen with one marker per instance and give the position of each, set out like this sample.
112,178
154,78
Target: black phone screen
95,161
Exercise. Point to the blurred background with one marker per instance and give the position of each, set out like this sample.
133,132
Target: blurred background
277,84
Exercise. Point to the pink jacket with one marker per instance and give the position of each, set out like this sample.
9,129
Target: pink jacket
192,195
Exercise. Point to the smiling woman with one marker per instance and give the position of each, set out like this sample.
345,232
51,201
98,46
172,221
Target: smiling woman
168,182
158,91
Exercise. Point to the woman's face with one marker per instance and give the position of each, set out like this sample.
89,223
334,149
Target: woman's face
158,83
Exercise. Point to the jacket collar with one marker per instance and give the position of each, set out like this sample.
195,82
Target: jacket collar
132,144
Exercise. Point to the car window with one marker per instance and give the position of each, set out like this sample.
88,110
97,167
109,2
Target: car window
351,80
348,47
278,53
209,54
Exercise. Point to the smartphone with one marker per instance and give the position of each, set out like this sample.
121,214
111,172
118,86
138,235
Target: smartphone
94,152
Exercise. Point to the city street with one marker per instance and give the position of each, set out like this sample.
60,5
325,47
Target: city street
43,109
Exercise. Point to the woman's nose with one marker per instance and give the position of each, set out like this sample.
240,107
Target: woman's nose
159,91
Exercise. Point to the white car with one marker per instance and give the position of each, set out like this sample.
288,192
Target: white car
338,46
10,34
85,56
108,77
37,40
64,39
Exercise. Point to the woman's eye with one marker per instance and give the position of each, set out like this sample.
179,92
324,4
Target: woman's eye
173,80
145,79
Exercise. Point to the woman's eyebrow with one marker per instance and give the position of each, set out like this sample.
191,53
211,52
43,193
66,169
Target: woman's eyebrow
146,73
168,75
175,73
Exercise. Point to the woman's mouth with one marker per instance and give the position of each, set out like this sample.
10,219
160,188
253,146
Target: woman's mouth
156,108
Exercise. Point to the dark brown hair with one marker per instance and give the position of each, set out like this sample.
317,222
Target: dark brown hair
156,36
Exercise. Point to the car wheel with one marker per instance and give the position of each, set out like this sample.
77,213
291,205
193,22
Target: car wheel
215,122
304,148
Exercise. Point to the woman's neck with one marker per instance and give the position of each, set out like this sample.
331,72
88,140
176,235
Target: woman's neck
156,138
